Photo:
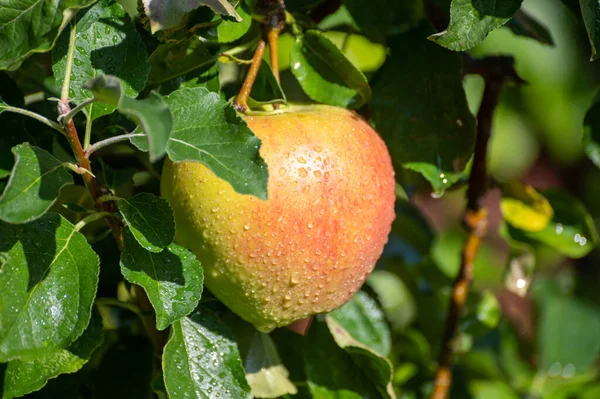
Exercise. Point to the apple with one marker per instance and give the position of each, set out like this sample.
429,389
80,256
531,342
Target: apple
310,246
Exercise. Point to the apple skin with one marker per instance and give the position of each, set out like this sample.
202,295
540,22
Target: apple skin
312,244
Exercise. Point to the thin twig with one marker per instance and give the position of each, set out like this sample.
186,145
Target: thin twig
64,94
495,71
112,140
77,109
35,116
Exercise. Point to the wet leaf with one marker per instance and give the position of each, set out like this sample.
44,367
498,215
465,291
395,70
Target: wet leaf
32,26
202,360
48,284
325,74
25,376
525,208
150,219
107,43
207,129
171,278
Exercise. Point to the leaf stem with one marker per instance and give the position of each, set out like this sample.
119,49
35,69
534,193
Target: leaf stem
35,116
496,71
64,95
112,140
77,109
91,218
88,131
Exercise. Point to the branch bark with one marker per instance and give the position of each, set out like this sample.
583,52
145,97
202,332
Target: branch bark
496,71
159,338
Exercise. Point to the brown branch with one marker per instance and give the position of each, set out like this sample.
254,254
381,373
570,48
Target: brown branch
495,71
158,338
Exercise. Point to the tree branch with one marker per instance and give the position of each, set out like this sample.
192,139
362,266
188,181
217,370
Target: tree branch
496,71
108,209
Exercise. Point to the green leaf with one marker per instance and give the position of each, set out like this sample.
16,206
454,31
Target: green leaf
167,14
231,30
266,89
365,322
151,113
150,219
48,284
591,131
331,371
107,43
267,376
395,298
325,74
36,179
568,320
171,278
419,108
201,360
178,60
523,24
115,178
590,10
380,18
32,26
25,376
571,230
207,129
472,20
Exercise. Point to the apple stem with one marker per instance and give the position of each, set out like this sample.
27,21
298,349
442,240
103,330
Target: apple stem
241,101
273,22
496,71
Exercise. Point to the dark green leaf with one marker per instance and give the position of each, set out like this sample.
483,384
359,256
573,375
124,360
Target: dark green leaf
591,132
325,73
115,178
32,26
380,18
411,236
568,320
25,376
590,10
167,14
150,219
571,230
266,375
331,371
207,129
420,109
107,43
523,24
151,113
365,322
266,89
171,278
48,284
472,20
36,179
176,60
201,360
